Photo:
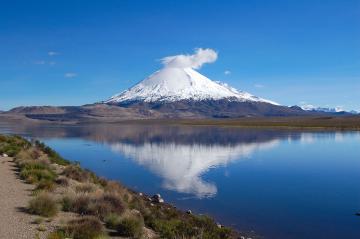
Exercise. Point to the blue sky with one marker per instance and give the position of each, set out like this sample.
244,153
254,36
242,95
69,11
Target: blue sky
78,52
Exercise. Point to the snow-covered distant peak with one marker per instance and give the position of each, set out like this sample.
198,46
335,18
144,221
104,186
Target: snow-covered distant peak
309,107
179,81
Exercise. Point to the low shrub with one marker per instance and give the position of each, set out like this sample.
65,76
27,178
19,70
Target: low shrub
139,204
41,228
166,228
112,220
24,155
190,227
76,173
115,201
99,209
113,187
35,154
33,164
81,204
87,227
46,185
130,227
11,150
106,204
35,171
36,175
67,203
59,234
12,145
209,227
44,205
98,180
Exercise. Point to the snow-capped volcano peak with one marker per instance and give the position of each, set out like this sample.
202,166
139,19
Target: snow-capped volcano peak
179,81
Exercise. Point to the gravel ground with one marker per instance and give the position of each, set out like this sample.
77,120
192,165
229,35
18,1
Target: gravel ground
14,196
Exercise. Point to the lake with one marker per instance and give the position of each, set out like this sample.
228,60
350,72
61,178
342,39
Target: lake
280,184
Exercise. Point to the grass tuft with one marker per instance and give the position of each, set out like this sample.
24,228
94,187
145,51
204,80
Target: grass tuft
46,185
87,227
43,205
112,220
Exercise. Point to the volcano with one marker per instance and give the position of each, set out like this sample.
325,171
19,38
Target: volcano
178,84
178,90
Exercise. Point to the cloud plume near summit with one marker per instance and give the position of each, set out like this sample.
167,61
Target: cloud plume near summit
194,61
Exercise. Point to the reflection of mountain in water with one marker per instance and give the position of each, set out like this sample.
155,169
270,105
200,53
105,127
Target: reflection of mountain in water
181,166
140,134
178,154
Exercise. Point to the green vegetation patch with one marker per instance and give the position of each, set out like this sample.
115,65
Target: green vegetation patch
12,145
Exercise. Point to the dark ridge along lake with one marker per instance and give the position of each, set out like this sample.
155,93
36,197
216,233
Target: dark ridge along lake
280,184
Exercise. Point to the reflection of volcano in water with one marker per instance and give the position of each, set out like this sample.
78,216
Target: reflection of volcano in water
180,155
181,165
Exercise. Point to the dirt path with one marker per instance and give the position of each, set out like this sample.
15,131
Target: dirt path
14,196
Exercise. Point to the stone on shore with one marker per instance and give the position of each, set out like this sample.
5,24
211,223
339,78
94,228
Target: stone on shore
157,198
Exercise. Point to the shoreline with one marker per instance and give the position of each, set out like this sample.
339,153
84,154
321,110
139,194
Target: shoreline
66,184
312,123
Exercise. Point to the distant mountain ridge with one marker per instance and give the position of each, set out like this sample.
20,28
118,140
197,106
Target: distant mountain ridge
336,110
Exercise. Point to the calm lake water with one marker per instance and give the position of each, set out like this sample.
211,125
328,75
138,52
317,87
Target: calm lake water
281,184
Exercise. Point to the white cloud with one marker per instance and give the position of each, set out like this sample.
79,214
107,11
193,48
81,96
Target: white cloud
227,72
259,86
53,53
41,62
70,75
194,61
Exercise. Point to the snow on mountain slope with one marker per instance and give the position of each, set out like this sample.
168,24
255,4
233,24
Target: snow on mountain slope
179,81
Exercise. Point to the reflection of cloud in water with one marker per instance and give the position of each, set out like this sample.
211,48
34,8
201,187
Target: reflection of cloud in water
310,138
307,138
181,166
